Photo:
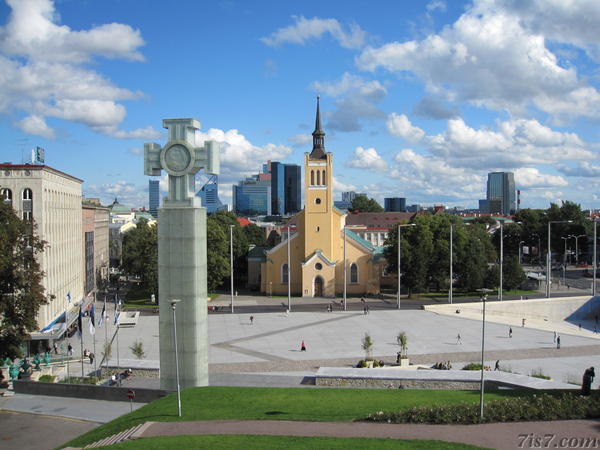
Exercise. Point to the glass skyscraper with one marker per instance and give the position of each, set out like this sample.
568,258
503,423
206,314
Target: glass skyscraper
209,195
292,188
395,204
501,193
277,188
252,197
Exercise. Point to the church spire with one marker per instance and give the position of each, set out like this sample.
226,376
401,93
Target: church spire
318,151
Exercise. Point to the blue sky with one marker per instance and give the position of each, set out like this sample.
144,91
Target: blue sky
419,99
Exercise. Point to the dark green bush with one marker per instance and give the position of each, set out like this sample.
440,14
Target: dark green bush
475,366
47,378
567,406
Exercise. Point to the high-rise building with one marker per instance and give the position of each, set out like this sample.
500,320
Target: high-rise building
277,171
153,197
209,195
252,197
501,192
52,199
292,188
395,204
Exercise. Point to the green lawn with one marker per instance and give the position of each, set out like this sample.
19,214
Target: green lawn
259,442
139,297
316,404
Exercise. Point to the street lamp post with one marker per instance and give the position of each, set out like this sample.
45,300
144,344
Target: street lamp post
577,247
173,306
594,269
501,259
289,272
549,255
231,261
400,255
451,274
345,264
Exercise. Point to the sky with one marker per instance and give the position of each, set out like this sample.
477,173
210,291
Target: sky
419,99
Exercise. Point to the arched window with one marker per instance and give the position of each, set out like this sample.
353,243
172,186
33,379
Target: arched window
353,273
312,177
6,195
324,178
318,177
27,200
284,273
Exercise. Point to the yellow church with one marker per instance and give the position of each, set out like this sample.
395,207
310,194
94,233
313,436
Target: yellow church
321,244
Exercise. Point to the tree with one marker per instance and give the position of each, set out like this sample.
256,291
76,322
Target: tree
402,340
140,255
21,290
512,274
255,235
364,204
367,346
217,250
137,348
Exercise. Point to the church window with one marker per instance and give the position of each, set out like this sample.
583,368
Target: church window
323,177
284,273
318,266
318,177
312,177
353,273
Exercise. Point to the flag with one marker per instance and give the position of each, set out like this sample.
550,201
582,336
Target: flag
117,314
102,314
92,320
79,326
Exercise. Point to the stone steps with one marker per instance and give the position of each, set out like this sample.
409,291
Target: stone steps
117,438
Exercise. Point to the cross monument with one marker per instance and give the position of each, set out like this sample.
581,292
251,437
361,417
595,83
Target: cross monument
182,252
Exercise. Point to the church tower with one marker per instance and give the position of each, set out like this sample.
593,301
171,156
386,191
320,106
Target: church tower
318,196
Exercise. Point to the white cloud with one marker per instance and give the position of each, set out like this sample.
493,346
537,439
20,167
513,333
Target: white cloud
582,169
357,102
529,177
399,125
432,177
42,72
515,143
367,158
436,5
37,126
135,151
339,187
126,193
489,58
239,157
148,132
305,29
299,140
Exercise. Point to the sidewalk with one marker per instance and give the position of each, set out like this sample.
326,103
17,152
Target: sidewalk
557,434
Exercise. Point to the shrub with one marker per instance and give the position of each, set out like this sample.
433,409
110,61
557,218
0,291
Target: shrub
137,348
367,345
475,366
362,364
47,378
567,406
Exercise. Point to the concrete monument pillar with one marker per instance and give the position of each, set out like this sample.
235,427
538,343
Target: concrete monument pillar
182,252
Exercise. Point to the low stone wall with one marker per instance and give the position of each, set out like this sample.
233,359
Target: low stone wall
382,383
90,391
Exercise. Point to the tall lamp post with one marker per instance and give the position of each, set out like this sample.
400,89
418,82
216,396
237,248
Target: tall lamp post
289,271
173,306
484,296
577,247
501,261
549,255
400,255
451,274
345,265
231,261
594,268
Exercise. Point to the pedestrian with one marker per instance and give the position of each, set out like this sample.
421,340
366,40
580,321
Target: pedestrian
497,366
91,356
398,357
251,320
86,353
509,332
362,299
458,339
579,327
55,346
557,342
523,322
554,337
69,350
302,347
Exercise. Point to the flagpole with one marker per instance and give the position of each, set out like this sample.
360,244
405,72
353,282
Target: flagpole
105,321
81,339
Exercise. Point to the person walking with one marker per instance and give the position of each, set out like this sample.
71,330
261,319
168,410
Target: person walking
69,350
302,347
91,356
509,332
497,366
251,320
557,342
55,346
523,322
458,339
